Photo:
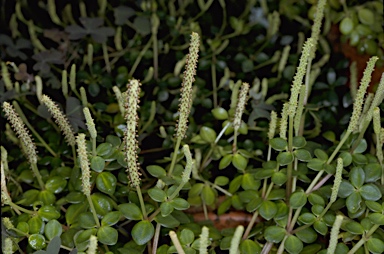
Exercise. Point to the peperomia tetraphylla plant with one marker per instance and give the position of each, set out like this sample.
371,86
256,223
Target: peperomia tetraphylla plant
100,198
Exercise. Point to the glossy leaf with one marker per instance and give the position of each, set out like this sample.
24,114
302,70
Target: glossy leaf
101,203
111,218
131,211
208,134
320,227
157,194
353,202
293,244
268,209
249,247
48,212
225,161
186,236
297,200
307,235
53,229
166,208
239,161
357,177
284,158
377,218
107,235
299,142
208,195
86,220
56,184
156,171
274,234
37,241
142,232
370,192
180,204
354,227
302,155
375,245
106,182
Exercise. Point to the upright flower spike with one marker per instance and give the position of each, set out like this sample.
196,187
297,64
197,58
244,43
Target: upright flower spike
337,181
204,239
284,121
60,119
272,125
298,79
334,234
21,131
359,100
186,89
5,198
243,96
5,74
84,164
90,123
131,144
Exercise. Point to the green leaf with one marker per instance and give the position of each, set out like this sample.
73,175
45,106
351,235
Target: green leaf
347,158
330,136
249,247
361,147
196,190
37,241
279,178
374,206
48,212
131,211
113,140
353,202
157,194
377,218
302,155
372,172
345,189
316,199
375,245
166,209
97,164
186,236
73,212
284,158
23,226
107,235
298,199
156,171
307,218
101,203
370,192
104,149
81,238
168,221
111,218
221,180
86,220
220,113
208,134
35,225
225,161
354,227
249,182
357,177
143,232
299,142
268,209
236,202
320,227
293,244
52,229
321,155
106,182
208,195
274,234
239,162
180,204
47,197
278,144
246,65
316,164
235,184
307,235
359,158
56,184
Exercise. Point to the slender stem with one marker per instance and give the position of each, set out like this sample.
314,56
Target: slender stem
313,183
338,147
281,247
177,146
156,238
234,145
294,219
250,225
214,81
38,176
290,166
141,54
322,182
18,208
93,210
106,58
363,239
143,210
94,147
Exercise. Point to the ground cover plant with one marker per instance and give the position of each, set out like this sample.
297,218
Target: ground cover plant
154,127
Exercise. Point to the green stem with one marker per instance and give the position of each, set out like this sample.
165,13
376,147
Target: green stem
25,120
141,54
281,247
290,166
156,238
106,58
174,157
214,83
143,210
234,145
363,239
18,208
38,176
93,210
338,147
94,147
250,225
